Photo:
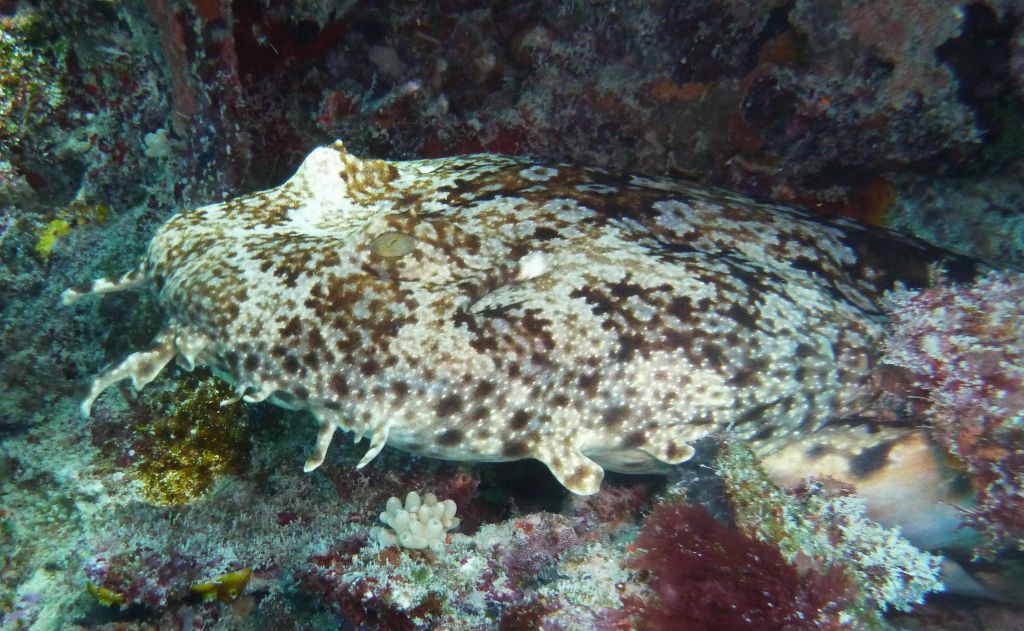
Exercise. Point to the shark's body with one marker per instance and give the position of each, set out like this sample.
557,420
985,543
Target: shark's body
492,308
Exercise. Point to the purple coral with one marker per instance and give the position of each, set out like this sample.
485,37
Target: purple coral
538,541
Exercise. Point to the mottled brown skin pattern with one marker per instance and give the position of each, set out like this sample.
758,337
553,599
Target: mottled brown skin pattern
493,308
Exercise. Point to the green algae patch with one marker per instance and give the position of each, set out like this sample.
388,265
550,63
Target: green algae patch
191,441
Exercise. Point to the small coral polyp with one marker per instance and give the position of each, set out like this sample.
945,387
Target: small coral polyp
418,524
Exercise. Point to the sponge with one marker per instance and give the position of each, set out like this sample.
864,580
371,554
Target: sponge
419,524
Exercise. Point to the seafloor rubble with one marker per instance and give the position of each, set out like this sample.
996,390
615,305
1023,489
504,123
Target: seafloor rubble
166,510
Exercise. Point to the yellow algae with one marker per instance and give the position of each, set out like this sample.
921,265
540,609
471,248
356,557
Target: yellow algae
194,441
49,234
103,595
225,588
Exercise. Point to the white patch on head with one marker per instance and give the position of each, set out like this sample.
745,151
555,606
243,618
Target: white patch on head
538,173
532,265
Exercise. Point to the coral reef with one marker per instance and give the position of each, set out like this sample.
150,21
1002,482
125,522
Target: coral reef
962,348
828,529
528,571
34,58
117,114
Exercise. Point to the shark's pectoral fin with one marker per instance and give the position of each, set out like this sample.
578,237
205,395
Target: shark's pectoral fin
576,472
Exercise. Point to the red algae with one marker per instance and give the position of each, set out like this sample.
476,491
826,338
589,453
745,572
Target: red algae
707,575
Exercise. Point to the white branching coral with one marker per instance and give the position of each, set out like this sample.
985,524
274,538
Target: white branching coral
419,524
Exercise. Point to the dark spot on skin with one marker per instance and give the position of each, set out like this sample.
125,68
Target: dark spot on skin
289,274
292,328
799,373
629,344
816,451
714,355
370,367
614,415
518,251
624,289
599,303
231,357
448,405
682,308
311,359
741,316
519,420
674,452
803,350
82,288
483,389
755,413
291,364
704,420
744,377
145,367
301,392
633,440
332,405
588,381
251,363
870,460
450,438
339,385
400,389
673,339
544,233
479,413
578,476
316,339
813,266
515,449
764,433
278,351
539,359
559,400
786,405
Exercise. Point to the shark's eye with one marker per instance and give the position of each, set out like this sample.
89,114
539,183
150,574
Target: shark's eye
392,245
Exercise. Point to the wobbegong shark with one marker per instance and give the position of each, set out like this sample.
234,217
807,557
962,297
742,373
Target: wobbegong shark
493,308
